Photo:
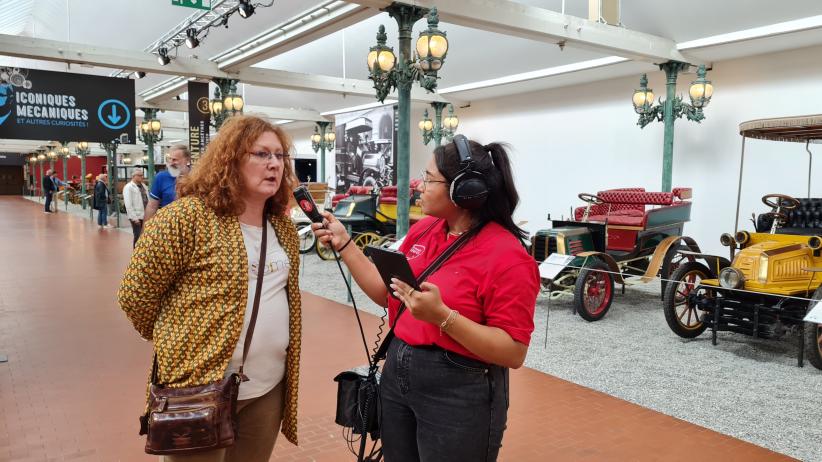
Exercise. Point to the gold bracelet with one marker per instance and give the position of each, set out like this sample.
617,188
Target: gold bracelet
445,325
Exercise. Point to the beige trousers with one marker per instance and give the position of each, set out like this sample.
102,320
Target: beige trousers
258,423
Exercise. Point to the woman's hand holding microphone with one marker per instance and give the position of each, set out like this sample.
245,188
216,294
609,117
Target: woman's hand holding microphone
331,232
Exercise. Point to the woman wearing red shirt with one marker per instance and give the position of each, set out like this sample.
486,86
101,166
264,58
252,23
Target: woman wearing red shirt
444,386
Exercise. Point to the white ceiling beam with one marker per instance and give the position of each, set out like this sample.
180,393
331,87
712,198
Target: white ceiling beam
51,50
274,113
515,19
304,28
166,90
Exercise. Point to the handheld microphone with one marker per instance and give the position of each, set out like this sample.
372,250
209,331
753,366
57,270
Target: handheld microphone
307,205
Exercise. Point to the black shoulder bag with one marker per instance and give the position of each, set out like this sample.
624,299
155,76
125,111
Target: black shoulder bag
358,388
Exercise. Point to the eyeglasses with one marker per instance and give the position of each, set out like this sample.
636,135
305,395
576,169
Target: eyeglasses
425,180
265,156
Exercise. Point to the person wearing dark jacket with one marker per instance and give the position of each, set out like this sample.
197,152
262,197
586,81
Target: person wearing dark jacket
48,189
101,198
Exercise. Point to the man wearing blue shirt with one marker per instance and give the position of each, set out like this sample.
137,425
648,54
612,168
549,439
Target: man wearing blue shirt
163,188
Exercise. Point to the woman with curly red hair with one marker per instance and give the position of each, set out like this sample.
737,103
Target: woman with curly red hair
191,284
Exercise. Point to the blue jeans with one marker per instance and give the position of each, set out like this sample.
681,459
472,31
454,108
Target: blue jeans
102,215
440,406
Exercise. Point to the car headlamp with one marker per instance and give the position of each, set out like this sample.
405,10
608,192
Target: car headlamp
726,239
762,274
742,237
731,278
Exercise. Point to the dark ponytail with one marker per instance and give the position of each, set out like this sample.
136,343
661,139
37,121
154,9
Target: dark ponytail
493,162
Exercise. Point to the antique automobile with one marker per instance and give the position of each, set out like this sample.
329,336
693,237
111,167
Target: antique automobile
377,164
370,215
774,275
625,236
349,159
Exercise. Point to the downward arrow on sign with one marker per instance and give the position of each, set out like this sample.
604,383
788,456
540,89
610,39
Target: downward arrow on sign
113,117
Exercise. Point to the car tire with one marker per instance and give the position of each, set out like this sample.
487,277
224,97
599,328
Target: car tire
594,290
324,252
672,260
813,335
675,296
307,240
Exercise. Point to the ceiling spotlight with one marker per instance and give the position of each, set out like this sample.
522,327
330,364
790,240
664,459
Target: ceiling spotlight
191,38
139,74
245,8
162,56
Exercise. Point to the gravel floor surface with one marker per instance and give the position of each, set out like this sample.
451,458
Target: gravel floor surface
742,387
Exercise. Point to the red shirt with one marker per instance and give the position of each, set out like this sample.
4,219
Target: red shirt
491,280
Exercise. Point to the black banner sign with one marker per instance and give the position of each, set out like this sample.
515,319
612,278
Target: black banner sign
46,105
199,117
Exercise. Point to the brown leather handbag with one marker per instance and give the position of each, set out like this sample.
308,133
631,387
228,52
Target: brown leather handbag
190,420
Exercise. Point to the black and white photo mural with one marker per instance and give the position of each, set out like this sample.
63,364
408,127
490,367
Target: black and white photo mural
365,152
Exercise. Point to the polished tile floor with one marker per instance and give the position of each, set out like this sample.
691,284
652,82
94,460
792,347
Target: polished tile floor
73,385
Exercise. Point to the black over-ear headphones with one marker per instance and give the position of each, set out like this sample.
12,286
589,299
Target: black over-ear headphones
468,189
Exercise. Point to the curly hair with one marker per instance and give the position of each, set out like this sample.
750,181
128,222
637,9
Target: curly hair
217,177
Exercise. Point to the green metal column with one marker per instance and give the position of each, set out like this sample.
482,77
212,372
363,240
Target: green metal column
83,177
149,139
406,16
671,69
438,107
65,175
111,161
150,160
42,190
324,127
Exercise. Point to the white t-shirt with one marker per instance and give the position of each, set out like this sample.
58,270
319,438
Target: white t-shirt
265,364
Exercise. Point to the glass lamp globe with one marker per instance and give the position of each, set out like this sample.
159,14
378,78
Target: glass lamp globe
386,60
238,103
216,106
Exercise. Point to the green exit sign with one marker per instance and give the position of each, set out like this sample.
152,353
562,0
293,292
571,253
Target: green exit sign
199,4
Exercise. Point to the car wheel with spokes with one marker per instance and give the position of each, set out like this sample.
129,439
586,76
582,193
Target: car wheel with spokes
594,290
324,251
672,260
681,313
307,240
813,335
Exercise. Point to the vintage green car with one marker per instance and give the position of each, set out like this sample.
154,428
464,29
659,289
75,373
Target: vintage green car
622,236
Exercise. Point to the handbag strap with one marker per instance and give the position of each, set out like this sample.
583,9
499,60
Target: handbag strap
435,265
254,310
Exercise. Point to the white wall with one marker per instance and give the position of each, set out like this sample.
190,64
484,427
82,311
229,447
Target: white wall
584,139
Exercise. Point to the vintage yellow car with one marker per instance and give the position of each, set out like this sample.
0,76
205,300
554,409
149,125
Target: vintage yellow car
774,275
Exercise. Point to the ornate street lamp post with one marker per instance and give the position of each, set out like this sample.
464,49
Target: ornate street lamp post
388,73
82,151
52,155
32,161
151,132
672,108
41,158
324,138
439,128
226,101
111,167
64,155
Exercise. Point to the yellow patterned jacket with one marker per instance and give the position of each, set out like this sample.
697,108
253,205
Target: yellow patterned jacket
186,289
